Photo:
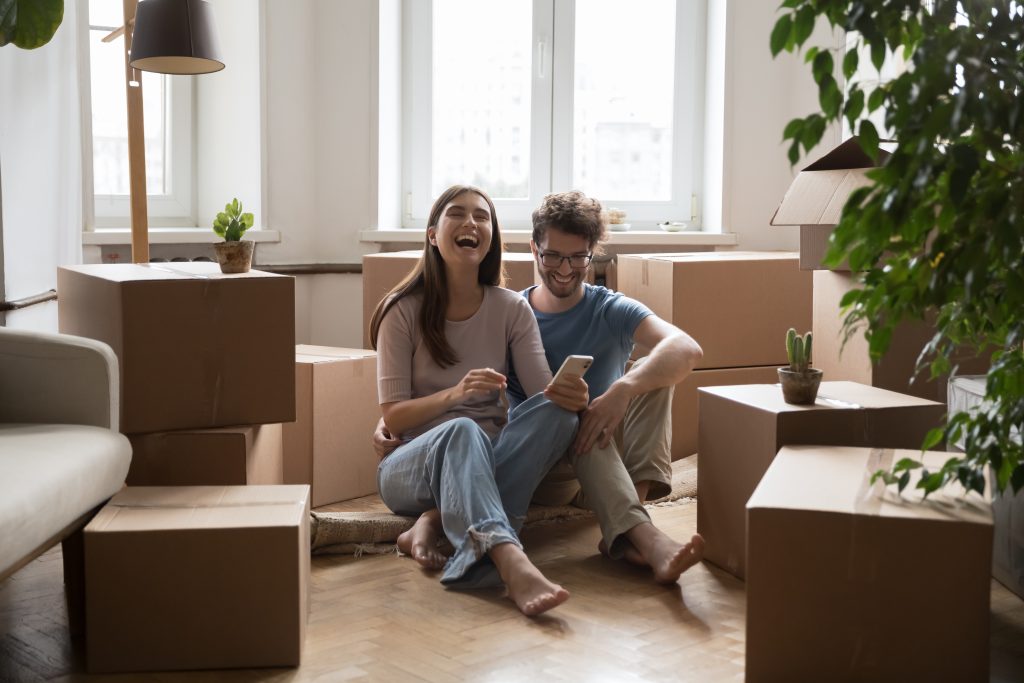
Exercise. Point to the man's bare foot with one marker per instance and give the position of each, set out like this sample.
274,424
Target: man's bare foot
666,557
532,592
420,542
629,553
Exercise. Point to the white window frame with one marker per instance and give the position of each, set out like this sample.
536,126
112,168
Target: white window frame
176,207
551,150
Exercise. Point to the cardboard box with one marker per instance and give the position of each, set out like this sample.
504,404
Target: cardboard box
815,199
894,371
967,394
847,583
196,348
382,272
330,444
685,405
226,456
737,305
197,577
743,427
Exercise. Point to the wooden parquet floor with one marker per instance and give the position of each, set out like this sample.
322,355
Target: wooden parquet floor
379,618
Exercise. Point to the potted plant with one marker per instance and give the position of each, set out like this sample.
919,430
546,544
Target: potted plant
939,233
234,254
799,381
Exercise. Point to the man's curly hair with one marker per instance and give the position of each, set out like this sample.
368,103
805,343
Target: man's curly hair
571,212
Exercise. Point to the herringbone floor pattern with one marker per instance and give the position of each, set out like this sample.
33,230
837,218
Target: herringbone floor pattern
379,618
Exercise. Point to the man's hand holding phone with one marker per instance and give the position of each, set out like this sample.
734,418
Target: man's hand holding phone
568,390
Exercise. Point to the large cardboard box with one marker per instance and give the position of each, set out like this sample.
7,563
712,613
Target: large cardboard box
737,305
685,405
743,427
381,272
815,199
896,369
197,577
330,444
967,394
196,348
226,456
849,582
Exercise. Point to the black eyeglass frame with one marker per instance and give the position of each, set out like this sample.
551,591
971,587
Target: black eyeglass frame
547,256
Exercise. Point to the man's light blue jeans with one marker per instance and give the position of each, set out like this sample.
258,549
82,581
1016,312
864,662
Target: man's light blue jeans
481,486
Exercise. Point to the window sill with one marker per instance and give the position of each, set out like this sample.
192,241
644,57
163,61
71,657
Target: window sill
633,237
119,236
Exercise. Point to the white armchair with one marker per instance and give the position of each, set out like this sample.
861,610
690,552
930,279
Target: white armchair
60,453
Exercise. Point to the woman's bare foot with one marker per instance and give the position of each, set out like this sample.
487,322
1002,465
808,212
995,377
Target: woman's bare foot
420,542
666,557
532,592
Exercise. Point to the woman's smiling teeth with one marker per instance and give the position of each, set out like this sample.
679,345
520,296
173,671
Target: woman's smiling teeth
467,241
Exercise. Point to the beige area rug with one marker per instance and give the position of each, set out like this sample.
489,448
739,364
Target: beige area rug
374,530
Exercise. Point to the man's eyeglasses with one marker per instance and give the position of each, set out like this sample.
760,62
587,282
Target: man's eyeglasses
552,260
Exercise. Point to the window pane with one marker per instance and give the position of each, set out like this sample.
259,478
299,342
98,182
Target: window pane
106,13
623,99
110,121
481,96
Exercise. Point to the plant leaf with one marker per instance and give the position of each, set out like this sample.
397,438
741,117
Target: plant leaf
850,63
29,23
869,138
780,34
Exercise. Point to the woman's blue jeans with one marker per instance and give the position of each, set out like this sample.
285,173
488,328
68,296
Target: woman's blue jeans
481,487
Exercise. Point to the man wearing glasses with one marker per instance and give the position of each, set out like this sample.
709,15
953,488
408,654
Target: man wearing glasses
621,456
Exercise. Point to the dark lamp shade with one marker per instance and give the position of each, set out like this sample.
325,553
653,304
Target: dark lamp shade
175,37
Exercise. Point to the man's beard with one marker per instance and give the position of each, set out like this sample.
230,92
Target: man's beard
563,290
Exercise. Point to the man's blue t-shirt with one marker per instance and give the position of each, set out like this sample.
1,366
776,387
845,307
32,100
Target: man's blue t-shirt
601,325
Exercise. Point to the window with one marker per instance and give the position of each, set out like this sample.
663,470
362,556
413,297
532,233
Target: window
167,118
525,98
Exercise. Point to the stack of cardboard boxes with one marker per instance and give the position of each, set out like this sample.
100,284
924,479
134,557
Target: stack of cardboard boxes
201,573
736,305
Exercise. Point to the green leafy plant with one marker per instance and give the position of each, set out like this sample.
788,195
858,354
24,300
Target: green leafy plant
798,351
939,233
29,23
231,223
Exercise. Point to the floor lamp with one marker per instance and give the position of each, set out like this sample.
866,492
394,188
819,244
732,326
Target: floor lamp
167,37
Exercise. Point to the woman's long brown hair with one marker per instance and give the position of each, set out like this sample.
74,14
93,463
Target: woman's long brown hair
428,277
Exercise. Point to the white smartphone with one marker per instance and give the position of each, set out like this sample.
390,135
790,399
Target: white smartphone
572,366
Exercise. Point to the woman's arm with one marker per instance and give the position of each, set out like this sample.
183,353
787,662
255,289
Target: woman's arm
401,416
527,352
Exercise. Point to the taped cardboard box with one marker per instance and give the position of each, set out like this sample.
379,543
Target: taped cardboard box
815,199
852,582
743,427
737,305
896,369
381,272
196,348
330,444
685,405
226,456
197,577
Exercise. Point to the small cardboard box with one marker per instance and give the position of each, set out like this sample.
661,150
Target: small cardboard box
196,348
226,456
197,577
849,582
685,405
896,369
381,272
815,199
330,444
743,427
737,305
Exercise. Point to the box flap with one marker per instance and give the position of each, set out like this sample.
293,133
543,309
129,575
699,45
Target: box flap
715,256
185,270
144,508
837,479
846,155
305,353
831,395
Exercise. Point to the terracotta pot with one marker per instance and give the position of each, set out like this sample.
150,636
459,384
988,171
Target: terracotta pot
799,388
234,257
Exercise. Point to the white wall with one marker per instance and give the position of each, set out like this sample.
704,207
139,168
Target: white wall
320,129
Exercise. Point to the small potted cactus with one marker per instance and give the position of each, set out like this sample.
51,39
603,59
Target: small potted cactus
234,254
799,381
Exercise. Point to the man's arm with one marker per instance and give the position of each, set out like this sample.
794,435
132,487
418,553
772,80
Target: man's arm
673,355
